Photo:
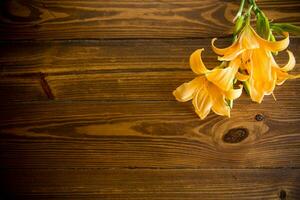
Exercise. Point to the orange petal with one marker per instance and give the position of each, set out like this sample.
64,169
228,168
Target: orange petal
223,51
271,85
248,39
202,102
261,65
246,56
241,77
294,76
273,61
234,93
232,55
282,76
223,78
256,95
220,106
291,63
262,78
196,62
273,46
289,66
262,88
186,91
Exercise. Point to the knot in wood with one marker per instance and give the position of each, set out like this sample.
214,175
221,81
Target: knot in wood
282,194
259,117
236,135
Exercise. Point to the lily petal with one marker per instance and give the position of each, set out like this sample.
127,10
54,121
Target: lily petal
273,46
202,102
223,78
232,55
222,51
241,77
262,78
282,76
291,63
246,56
186,91
294,76
273,61
196,62
272,84
220,106
234,93
256,96
248,39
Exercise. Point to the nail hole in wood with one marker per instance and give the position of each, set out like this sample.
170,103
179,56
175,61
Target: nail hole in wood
236,135
282,194
259,117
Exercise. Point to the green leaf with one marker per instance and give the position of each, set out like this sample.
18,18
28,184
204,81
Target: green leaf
285,27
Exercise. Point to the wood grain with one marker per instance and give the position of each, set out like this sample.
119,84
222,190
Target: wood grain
107,70
151,184
146,135
86,110
64,19
138,86
92,56
21,89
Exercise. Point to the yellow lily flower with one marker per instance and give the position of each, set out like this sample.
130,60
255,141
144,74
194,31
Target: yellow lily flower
210,89
257,62
282,72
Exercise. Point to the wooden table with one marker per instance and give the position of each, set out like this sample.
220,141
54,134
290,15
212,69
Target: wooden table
87,110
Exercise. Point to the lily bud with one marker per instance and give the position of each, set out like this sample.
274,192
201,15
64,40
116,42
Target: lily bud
262,25
239,25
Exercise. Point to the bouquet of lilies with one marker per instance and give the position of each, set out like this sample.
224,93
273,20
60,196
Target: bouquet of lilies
248,63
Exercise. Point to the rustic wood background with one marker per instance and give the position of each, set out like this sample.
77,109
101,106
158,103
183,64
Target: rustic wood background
87,111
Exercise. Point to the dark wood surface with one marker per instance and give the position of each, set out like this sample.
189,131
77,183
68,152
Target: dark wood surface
65,19
87,110
146,135
178,184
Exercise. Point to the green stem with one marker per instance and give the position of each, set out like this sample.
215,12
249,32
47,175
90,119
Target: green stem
247,87
255,7
239,13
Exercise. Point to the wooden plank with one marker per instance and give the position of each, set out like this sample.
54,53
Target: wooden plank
92,56
130,86
183,184
149,134
22,89
64,19
106,70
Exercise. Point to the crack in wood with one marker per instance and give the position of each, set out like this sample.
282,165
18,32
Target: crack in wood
46,87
